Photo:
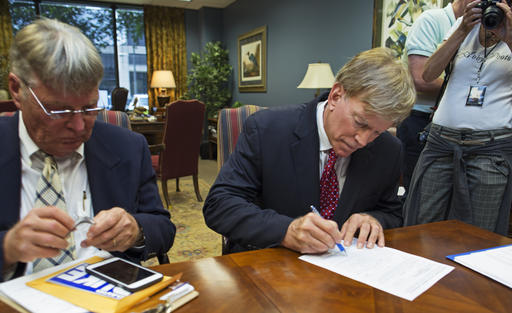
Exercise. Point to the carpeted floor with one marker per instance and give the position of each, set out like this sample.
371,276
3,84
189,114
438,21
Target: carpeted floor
194,240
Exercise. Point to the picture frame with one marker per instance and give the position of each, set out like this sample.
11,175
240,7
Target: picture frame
252,60
392,20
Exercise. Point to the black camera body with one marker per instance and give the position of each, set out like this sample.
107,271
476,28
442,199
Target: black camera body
492,15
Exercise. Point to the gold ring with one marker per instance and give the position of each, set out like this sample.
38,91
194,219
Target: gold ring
114,243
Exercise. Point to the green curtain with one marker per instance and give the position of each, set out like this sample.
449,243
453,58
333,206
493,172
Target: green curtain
166,46
5,42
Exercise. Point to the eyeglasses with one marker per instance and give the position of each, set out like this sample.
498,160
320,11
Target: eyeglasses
65,114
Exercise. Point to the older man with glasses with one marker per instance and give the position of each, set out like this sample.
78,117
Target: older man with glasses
70,186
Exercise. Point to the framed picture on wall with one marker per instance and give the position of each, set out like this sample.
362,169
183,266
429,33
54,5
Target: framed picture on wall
252,61
392,20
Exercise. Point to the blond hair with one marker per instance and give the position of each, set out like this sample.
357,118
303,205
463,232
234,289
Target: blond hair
57,54
378,78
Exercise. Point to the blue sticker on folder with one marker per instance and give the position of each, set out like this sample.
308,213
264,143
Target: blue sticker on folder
78,278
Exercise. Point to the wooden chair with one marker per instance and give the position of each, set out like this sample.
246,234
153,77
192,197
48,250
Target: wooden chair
182,139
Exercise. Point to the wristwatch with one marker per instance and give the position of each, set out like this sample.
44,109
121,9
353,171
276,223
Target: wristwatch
140,243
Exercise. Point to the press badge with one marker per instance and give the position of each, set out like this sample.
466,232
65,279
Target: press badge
476,95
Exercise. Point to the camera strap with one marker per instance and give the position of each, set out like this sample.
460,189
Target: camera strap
447,72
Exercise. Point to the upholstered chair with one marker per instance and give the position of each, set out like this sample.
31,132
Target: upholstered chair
118,96
7,106
114,117
182,139
229,127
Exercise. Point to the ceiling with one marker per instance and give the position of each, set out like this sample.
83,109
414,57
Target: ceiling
192,4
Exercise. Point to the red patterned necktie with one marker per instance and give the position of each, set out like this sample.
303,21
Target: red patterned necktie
329,188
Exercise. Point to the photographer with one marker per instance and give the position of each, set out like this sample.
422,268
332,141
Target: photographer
423,39
464,171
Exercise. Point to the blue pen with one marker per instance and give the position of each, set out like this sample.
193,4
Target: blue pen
339,245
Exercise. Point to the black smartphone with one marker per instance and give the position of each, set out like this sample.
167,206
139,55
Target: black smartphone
125,274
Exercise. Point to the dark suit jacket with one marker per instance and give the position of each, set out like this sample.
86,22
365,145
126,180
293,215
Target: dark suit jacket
273,177
120,174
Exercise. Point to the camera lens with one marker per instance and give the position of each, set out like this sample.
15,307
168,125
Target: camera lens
492,17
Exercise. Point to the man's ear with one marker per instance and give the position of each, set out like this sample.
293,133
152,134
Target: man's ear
15,89
337,92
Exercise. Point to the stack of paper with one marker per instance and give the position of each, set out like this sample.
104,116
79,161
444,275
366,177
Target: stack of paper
396,272
495,263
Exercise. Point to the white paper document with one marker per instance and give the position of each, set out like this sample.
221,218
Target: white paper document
34,300
495,263
396,272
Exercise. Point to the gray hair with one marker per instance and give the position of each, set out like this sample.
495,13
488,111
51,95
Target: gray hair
378,78
57,54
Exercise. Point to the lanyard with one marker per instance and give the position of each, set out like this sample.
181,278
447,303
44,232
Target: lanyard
485,58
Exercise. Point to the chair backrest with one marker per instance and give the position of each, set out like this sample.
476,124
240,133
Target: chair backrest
229,127
115,117
118,96
7,106
182,138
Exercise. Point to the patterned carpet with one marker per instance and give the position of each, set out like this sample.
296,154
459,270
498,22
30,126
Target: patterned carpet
194,240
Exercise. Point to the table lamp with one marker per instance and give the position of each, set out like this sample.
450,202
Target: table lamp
318,75
163,80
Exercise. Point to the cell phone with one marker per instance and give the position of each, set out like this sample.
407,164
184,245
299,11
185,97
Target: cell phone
124,274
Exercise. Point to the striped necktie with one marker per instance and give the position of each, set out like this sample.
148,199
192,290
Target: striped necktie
49,193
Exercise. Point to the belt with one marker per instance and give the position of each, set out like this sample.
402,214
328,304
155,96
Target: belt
420,114
471,142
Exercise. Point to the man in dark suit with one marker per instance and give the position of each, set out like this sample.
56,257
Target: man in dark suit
263,194
60,166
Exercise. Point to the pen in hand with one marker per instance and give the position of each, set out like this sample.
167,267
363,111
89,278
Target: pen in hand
339,245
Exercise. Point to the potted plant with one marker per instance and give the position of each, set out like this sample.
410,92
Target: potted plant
208,81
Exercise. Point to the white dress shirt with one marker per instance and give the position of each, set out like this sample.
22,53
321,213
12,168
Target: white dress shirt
73,176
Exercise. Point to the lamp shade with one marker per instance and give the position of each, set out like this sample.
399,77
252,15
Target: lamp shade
318,75
163,79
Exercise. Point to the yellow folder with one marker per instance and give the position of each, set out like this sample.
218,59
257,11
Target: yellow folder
95,302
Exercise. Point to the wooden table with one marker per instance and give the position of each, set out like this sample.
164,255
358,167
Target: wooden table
153,131
275,280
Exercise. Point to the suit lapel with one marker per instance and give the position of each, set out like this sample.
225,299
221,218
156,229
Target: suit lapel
10,164
305,156
101,163
354,183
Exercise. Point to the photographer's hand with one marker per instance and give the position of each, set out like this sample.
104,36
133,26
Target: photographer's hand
438,61
504,31
472,16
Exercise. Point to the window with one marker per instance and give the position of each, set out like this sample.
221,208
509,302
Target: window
125,63
131,49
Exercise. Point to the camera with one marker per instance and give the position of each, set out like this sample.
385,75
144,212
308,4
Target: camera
423,135
492,15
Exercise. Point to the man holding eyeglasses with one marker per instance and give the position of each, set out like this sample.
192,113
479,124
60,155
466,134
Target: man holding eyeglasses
61,168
